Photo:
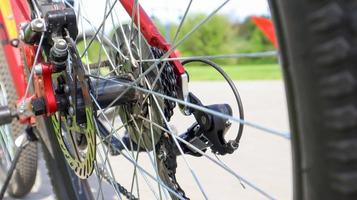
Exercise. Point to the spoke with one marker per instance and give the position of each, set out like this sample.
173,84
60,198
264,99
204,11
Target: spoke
173,42
102,34
100,27
99,63
118,46
37,11
141,170
180,149
133,13
106,39
181,23
194,29
153,161
22,106
225,56
152,67
105,166
137,128
84,38
100,181
129,155
285,135
116,130
101,41
126,41
219,162
152,177
153,146
110,171
225,167
134,172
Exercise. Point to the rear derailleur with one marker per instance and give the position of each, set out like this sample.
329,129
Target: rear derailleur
207,132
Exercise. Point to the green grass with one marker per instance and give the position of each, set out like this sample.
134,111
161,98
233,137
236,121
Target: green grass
237,72
200,73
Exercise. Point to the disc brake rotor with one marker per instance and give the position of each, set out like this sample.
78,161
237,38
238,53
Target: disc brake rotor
74,128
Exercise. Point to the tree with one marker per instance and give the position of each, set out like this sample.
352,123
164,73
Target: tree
213,38
250,39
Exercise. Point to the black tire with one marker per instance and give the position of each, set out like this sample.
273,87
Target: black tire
25,174
317,40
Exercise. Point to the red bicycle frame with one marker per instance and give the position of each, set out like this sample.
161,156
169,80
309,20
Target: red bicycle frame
15,12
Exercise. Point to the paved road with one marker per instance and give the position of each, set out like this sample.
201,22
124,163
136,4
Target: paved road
262,158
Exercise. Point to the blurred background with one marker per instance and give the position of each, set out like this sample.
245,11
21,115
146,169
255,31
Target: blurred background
230,31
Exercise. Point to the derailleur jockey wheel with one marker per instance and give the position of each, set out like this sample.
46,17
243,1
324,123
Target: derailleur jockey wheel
74,123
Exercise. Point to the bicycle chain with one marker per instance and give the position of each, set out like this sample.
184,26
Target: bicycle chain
166,153
168,83
169,87
121,188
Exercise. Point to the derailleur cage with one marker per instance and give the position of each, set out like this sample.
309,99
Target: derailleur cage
209,130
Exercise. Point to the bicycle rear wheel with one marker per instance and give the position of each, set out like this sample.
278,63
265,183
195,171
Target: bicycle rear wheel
320,83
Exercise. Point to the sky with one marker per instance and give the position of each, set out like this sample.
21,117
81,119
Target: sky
172,10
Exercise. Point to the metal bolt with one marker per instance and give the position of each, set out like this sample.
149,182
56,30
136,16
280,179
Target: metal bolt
71,110
66,89
38,69
15,43
38,25
233,144
61,44
21,108
228,124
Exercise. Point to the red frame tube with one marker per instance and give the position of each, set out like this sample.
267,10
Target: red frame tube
12,54
151,33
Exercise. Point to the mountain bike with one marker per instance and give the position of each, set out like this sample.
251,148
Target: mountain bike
86,112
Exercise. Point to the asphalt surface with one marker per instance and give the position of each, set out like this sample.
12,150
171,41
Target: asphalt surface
262,158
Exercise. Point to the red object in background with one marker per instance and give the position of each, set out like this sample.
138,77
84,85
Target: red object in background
267,27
